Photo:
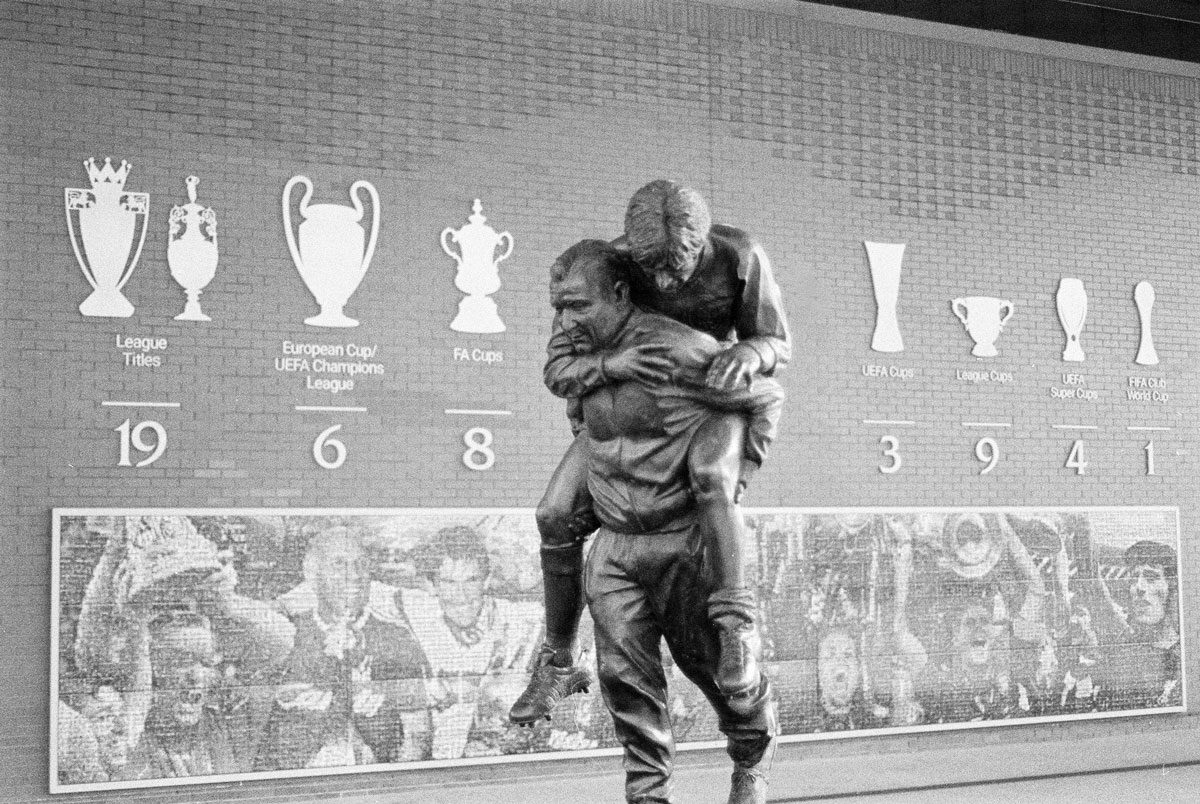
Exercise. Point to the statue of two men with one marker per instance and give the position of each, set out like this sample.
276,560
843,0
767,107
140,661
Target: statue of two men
664,342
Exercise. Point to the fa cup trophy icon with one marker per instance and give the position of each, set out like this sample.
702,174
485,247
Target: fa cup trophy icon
331,257
108,228
192,250
1143,297
478,271
1071,301
885,276
984,317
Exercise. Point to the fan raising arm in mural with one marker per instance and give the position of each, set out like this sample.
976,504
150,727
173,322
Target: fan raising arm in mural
717,280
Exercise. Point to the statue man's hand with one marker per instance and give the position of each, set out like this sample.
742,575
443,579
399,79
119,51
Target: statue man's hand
647,362
733,368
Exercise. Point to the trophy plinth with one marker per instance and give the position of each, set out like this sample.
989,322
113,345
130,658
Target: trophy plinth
106,303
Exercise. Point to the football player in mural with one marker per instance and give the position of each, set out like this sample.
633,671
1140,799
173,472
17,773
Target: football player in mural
352,673
476,645
717,280
1142,661
649,574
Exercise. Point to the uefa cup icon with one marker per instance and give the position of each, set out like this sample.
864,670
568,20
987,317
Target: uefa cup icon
192,250
331,256
984,317
108,229
885,259
478,271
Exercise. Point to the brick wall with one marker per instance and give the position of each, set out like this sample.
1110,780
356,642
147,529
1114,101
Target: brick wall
1003,167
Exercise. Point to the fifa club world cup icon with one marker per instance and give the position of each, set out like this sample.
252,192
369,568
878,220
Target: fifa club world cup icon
478,271
330,255
885,276
1071,301
192,250
984,317
108,229
1143,297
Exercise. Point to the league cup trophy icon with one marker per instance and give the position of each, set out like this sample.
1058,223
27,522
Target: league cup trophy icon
478,271
984,317
192,250
885,276
331,258
108,228
1071,301
1143,297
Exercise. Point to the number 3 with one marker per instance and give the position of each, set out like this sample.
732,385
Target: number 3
891,450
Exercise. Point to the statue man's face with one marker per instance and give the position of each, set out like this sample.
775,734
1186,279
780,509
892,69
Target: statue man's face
837,671
1148,591
185,674
590,312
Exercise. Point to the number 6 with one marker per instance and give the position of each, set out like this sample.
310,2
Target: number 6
323,441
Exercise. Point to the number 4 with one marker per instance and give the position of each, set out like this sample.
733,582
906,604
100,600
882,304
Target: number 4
1075,459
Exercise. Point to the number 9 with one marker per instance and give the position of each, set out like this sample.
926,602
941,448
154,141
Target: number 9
987,451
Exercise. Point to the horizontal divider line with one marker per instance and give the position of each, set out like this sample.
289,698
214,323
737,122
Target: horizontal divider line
330,409
108,404
466,412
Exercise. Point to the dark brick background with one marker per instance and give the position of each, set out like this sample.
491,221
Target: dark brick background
1002,169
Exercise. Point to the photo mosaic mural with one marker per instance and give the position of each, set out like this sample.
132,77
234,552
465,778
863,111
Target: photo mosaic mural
195,646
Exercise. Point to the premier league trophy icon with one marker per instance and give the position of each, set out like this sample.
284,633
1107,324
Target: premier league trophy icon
331,256
885,276
984,317
1071,301
108,228
478,271
192,250
1143,297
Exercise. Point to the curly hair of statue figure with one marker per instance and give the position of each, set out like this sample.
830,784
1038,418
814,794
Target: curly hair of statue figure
667,226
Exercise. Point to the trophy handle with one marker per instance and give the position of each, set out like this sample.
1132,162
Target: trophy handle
143,201
954,305
504,236
83,263
1011,309
287,214
446,248
370,188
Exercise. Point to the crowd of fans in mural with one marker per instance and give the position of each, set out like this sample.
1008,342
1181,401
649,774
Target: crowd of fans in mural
378,655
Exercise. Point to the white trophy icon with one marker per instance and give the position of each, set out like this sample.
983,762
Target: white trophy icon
108,228
331,257
192,250
1143,297
885,261
1071,301
478,271
984,317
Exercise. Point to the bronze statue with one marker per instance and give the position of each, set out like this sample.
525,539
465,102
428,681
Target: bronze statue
717,280
652,572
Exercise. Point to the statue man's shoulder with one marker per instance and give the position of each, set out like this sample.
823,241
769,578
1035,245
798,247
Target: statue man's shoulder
653,327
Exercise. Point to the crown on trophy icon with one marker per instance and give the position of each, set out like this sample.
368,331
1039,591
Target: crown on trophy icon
107,174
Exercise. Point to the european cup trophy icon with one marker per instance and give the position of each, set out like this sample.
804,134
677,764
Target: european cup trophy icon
333,253
192,250
1071,301
108,229
478,271
885,261
984,318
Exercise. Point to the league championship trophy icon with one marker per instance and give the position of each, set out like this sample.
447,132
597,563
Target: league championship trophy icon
331,257
478,271
192,250
984,317
1143,297
108,228
1071,301
885,276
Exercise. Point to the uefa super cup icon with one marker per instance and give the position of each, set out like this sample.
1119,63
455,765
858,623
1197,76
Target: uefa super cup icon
333,252
984,317
108,228
1072,304
192,250
478,271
